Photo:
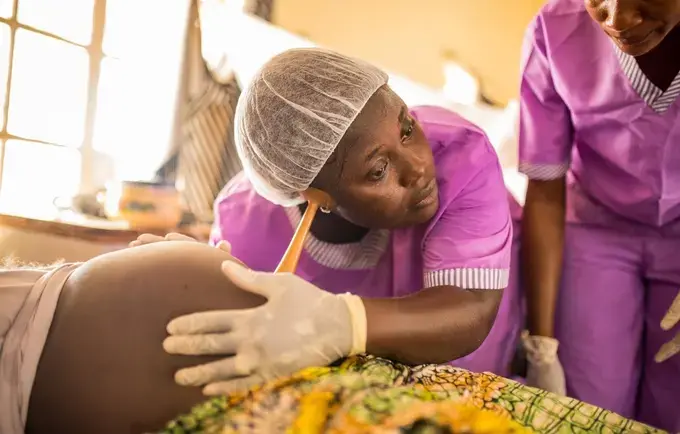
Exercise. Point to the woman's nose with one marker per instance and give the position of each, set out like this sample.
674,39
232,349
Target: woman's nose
622,16
414,169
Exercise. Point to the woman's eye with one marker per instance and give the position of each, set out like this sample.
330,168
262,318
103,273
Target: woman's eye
407,129
378,172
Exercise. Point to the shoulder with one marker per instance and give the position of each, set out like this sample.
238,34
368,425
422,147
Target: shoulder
441,123
554,8
237,187
448,132
559,21
454,139
238,195
254,226
560,11
461,150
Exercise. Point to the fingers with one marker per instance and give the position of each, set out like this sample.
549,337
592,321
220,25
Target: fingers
224,246
218,321
232,386
673,315
248,280
203,345
174,236
151,238
146,239
237,260
220,370
668,350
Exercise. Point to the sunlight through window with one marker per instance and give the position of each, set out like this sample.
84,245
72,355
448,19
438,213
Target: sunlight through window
70,19
135,135
137,94
5,36
6,8
47,153
34,174
49,90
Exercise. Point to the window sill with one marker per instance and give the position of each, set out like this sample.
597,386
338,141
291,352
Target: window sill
83,228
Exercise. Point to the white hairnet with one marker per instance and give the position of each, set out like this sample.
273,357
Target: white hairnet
292,115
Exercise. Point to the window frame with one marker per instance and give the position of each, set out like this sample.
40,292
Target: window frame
95,56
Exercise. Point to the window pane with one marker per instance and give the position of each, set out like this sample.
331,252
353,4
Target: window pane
6,8
71,19
135,28
5,36
112,117
135,115
34,174
49,89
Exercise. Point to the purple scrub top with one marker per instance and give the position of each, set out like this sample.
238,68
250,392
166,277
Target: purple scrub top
467,244
589,112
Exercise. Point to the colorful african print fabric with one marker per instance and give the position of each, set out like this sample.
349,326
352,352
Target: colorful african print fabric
366,394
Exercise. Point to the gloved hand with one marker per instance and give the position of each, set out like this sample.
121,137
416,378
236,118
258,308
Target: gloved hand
299,326
672,347
544,369
173,236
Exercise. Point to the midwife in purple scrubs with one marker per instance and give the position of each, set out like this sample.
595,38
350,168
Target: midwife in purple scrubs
600,143
412,262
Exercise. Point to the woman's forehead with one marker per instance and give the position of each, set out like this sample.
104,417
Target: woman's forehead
376,123
383,109
384,102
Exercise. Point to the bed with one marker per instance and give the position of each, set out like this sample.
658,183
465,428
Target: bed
365,394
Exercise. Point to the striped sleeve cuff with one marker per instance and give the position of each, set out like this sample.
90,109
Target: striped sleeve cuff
469,278
544,172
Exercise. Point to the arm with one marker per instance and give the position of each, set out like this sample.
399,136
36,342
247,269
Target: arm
435,325
466,256
542,246
466,259
545,142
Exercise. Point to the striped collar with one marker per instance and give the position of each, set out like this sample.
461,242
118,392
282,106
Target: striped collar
656,99
361,255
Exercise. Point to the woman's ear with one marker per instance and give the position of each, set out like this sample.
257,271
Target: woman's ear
321,198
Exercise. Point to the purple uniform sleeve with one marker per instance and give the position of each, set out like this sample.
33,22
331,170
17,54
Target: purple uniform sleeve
227,207
469,246
545,128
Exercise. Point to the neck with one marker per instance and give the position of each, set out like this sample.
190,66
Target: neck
662,64
331,228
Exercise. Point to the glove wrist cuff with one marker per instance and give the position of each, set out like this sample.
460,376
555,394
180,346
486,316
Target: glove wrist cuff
357,314
540,349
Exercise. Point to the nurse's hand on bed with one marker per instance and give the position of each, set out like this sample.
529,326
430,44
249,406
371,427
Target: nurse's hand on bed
672,317
544,369
173,236
297,327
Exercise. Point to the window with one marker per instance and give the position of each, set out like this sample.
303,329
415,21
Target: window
87,93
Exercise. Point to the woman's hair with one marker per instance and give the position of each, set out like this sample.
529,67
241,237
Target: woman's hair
11,262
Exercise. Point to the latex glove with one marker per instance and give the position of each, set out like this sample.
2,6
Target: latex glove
173,236
672,347
299,326
544,369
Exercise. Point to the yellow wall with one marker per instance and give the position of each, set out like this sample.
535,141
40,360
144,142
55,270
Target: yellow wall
411,37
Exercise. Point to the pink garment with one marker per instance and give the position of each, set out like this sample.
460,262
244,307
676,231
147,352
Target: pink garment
28,300
589,112
615,289
586,109
467,244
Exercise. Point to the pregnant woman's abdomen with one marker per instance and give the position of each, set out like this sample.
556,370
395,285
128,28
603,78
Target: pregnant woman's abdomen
103,369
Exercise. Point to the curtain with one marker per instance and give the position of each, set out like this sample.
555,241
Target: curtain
205,157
